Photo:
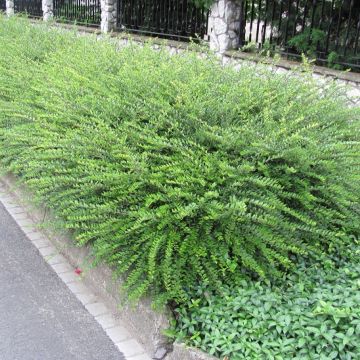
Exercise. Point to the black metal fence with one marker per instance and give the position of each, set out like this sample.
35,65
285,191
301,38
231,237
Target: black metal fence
86,12
327,30
3,5
174,19
32,8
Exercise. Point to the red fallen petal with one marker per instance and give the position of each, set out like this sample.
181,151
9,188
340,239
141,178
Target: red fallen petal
78,271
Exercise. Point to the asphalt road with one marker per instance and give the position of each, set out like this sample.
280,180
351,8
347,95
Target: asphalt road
40,319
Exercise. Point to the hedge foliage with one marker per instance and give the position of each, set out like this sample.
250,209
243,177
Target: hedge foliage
314,314
176,170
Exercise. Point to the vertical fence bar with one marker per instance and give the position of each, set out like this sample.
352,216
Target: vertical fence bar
246,17
265,22
296,17
278,40
330,26
322,13
272,22
304,16
242,21
357,35
309,39
173,16
338,26
251,19
287,23
163,18
168,17
346,44
258,21
313,14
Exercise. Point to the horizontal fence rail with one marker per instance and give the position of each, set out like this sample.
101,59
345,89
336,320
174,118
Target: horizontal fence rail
174,19
327,30
87,12
30,7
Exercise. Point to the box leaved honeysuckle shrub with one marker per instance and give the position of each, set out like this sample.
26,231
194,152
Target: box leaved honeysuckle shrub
178,171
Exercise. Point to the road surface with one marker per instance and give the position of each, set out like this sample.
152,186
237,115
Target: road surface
40,319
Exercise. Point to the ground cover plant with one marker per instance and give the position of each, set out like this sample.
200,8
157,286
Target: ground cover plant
177,171
314,313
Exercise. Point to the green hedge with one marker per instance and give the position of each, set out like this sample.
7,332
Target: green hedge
312,314
176,170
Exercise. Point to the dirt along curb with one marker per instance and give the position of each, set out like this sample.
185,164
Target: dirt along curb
144,324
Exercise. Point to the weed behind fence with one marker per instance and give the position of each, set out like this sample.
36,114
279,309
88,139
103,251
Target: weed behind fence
327,30
86,12
33,8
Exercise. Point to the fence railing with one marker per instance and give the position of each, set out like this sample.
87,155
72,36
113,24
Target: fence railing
31,7
3,5
174,19
327,30
87,12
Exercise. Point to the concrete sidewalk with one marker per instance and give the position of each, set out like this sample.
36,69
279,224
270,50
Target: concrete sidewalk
40,318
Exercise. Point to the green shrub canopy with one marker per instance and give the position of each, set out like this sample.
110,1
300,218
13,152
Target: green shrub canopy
175,169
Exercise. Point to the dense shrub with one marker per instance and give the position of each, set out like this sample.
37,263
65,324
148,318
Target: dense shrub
312,314
177,170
